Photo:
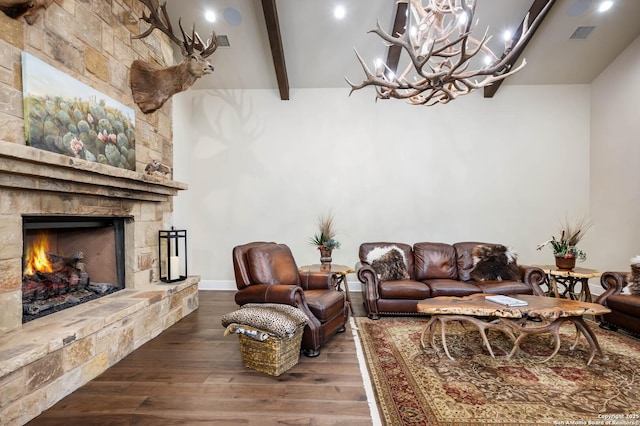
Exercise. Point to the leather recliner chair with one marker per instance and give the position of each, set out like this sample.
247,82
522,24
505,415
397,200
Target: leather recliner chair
266,272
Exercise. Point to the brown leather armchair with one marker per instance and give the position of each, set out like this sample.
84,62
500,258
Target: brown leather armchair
266,272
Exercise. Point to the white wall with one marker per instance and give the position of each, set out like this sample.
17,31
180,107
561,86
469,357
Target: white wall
493,170
615,153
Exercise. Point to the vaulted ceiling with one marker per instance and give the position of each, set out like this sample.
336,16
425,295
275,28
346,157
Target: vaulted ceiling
293,44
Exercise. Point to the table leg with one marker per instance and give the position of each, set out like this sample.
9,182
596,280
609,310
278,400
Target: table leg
343,280
553,286
590,336
480,324
553,329
524,332
585,291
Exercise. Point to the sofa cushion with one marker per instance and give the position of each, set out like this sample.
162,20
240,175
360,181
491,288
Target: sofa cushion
403,289
273,264
434,261
495,262
502,287
447,287
390,265
365,248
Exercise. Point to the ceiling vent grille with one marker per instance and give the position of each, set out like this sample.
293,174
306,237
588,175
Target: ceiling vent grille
223,40
581,33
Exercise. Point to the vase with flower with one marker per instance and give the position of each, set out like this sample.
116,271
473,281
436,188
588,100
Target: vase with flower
565,248
324,240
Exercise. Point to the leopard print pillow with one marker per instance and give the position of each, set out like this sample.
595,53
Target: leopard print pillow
276,319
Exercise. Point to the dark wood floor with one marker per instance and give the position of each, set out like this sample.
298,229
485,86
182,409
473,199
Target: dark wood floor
192,374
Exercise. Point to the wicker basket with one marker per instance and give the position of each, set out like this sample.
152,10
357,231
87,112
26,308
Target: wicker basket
274,355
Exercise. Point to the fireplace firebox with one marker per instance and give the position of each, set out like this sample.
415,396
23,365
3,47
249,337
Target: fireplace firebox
69,260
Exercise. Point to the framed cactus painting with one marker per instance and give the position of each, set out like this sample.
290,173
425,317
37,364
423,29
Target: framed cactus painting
68,117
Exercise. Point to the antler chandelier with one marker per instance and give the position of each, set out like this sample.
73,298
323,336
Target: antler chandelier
438,40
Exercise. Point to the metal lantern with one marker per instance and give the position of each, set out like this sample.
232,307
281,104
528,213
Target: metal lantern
172,254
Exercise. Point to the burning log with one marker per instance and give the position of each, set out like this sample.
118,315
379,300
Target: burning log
34,290
100,288
64,278
36,308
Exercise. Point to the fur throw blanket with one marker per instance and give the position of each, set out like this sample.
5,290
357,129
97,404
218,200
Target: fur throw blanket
389,263
495,262
634,276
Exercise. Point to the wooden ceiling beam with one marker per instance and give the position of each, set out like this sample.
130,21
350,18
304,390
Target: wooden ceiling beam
277,51
399,25
539,7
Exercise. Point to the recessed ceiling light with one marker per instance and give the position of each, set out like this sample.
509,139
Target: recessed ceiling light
210,16
578,7
339,12
605,5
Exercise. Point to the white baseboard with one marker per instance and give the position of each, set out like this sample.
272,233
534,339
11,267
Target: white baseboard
231,285
217,285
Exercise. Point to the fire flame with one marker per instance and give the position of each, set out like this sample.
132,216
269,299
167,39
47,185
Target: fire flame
36,256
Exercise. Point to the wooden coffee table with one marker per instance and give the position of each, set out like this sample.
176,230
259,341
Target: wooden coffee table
512,320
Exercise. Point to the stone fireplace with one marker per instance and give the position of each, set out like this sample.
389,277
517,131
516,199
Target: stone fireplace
92,208
48,357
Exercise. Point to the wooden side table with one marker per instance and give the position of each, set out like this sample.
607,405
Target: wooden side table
568,278
341,271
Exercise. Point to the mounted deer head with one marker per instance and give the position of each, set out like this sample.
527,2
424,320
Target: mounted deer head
30,9
152,85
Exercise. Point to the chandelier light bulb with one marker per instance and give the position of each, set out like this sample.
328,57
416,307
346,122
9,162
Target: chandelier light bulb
378,64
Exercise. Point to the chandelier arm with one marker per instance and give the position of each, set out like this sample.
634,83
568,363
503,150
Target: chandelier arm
371,78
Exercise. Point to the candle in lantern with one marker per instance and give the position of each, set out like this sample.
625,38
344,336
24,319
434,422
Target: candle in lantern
174,266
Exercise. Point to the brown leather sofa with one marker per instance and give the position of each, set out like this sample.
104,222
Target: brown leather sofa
434,269
625,308
266,272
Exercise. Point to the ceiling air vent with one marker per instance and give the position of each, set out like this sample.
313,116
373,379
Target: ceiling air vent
223,41
581,33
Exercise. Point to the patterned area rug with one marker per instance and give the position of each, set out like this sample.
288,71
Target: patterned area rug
416,386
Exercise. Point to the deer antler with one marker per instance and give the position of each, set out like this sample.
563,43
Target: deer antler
152,86
195,42
159,18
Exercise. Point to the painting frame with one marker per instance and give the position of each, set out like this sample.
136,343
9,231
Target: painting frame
68,117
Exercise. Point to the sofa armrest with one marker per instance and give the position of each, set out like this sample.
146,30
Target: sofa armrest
369,279
612,283
533,277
